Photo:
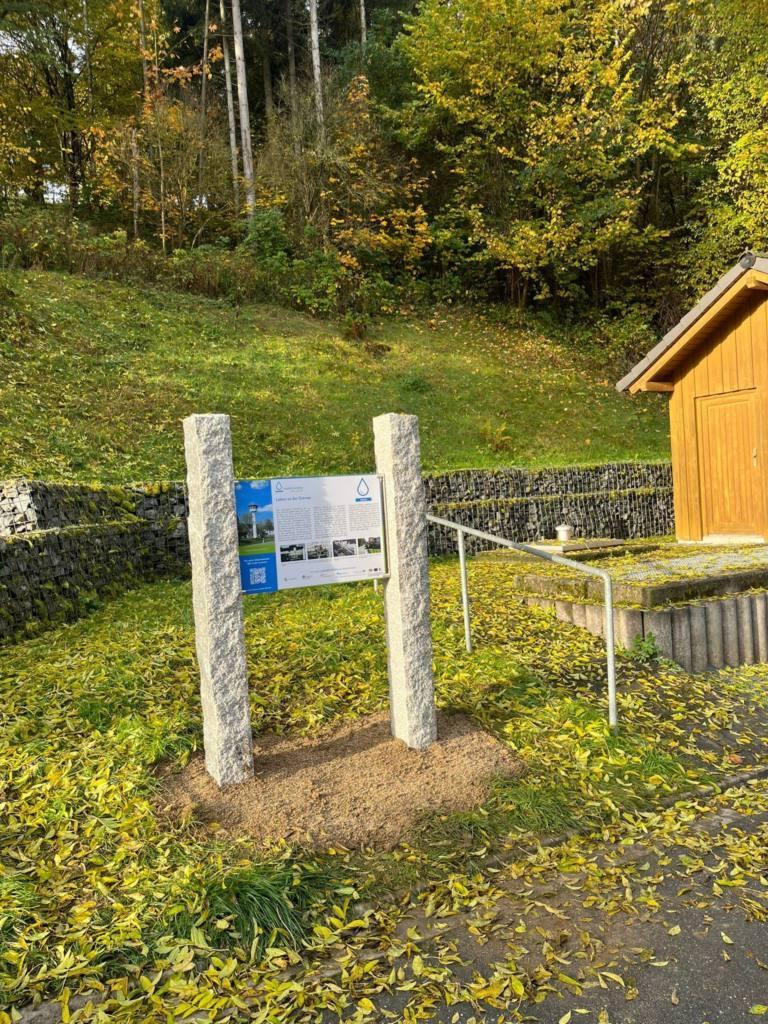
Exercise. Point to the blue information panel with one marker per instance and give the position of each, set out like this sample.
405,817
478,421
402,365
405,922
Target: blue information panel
307,531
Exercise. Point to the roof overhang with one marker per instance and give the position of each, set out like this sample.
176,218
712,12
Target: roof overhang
655,371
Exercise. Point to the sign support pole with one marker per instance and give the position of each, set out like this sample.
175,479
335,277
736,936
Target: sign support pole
406,591
213,542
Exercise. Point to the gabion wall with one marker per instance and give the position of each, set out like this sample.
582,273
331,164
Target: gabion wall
63,547
485,484
645,512
29,505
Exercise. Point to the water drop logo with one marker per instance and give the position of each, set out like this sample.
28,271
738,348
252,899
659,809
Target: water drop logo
363,489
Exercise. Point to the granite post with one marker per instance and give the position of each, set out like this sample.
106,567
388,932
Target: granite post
406,591
216,599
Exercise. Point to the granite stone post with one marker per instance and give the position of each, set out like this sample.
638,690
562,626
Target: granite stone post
216,599
406,591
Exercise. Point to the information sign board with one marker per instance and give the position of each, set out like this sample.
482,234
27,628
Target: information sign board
305,531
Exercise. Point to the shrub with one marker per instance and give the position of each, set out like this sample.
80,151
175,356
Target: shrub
266,237
261,267
618,337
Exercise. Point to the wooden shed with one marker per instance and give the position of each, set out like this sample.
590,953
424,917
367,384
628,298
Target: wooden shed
714,365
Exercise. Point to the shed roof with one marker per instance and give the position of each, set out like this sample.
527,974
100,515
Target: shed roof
730,291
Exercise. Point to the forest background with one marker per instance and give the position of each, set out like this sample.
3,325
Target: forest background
599,162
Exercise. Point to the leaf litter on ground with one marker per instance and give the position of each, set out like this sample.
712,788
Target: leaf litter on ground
99,896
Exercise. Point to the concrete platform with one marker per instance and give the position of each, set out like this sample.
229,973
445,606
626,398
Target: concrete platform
647,577
707,607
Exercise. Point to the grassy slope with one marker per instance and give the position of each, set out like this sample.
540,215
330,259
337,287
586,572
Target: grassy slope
94,384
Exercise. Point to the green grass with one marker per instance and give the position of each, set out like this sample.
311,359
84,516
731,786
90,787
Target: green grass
93,877
264,547
257,905
95,378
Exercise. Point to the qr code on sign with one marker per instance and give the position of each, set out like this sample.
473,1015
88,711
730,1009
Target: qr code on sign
258,576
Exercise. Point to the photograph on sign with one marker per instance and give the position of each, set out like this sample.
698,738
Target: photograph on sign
306,531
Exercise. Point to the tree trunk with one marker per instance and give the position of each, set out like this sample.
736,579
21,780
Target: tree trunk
266,70
71,142
316,69
203,90
87,55
363,27
292,88
143,47
135,182
230,109
242,99
162,196
160,154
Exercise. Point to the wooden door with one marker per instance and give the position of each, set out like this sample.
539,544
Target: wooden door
730,464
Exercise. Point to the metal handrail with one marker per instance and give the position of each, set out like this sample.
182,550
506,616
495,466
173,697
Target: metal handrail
590,570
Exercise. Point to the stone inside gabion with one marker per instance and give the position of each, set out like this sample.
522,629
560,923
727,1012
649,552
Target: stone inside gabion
625,500
63,545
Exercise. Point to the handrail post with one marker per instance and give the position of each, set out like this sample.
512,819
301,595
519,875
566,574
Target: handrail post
464,592
610,647
610,643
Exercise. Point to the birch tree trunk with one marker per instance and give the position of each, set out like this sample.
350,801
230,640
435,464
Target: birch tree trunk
161,155
203,97
316,69
363,26
162,197
242,99
230,108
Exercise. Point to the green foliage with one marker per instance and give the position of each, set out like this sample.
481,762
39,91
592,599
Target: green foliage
731,209
531,131
101,374
259,269
597,154
266,236
644,649
618,337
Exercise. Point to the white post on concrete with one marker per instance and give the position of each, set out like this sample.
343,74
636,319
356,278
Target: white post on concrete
406,591
216,599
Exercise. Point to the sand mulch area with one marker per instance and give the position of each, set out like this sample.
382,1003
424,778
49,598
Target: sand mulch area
351,786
